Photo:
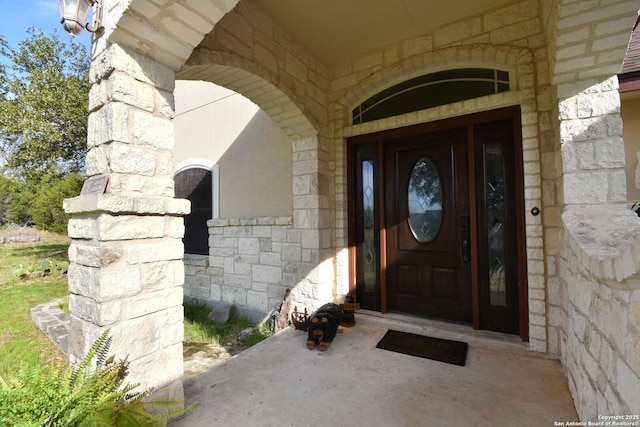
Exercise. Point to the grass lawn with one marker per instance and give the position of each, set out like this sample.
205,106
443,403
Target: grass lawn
22,344
198,329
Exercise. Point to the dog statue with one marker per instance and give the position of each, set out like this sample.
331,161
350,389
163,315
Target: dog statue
324,326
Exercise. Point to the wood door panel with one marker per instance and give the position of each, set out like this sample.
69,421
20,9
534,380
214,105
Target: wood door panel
445,284
429,277
408,279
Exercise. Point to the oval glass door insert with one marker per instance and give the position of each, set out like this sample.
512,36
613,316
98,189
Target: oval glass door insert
425,201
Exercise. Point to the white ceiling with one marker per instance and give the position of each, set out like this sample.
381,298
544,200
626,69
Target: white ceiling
340,30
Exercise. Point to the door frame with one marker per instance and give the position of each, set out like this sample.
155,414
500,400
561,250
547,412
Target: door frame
513,113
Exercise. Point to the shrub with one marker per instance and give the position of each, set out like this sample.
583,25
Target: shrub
46,207
82,396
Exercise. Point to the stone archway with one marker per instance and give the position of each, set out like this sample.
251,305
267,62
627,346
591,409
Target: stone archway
295,250
126,270
290,86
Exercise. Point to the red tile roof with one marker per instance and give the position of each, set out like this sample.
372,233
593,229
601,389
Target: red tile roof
632,59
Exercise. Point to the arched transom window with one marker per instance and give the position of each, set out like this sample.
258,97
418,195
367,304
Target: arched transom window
431,90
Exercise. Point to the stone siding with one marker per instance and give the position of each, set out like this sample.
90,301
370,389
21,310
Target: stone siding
601,310
197,282
591,140
250,54
251,263
591,38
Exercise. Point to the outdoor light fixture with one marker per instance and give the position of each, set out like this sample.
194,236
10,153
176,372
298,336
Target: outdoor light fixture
73,15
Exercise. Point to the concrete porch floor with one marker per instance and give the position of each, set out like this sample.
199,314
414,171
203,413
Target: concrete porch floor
280,383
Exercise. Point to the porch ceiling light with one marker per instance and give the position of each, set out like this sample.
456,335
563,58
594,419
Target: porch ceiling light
73,15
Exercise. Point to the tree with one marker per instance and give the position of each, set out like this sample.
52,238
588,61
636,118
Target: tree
13,203
44,91
43,104
45,208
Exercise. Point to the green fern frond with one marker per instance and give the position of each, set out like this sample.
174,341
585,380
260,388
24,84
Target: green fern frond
103,351
83,395
97,419
130,394
170,408
11,383
135,415
101,346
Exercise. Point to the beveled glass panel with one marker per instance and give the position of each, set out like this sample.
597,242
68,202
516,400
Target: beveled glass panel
425,201
494,191
368,223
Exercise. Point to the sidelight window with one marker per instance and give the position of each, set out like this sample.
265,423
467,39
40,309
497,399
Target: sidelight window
369,226
494,181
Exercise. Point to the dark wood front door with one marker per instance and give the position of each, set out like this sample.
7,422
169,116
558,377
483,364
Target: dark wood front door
436,221
427,225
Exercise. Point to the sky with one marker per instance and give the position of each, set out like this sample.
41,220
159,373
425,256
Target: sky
17,16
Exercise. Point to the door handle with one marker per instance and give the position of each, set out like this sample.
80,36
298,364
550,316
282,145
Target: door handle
466,247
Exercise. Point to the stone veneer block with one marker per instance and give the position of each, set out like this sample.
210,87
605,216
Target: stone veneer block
248,258
126,203
598,321
605,236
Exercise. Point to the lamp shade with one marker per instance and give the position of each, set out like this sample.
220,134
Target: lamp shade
73,14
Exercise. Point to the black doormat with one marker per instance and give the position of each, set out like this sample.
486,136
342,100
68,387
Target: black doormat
454,352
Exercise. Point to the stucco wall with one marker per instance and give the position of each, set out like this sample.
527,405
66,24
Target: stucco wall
630,111
252,153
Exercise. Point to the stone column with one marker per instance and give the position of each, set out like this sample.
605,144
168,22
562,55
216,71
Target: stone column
591,142
126,271
312,219
598,275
